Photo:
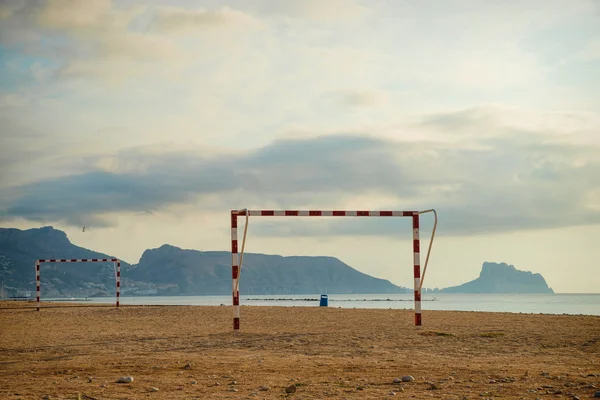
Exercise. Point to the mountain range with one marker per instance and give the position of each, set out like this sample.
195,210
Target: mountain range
169,270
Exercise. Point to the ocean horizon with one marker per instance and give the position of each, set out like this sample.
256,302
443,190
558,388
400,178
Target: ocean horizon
557,303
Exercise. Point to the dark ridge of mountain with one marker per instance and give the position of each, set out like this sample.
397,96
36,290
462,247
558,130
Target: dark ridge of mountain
502,278
169,270
19,249
196,272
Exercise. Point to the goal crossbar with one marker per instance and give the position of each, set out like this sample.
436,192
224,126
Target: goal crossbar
236,256
116,262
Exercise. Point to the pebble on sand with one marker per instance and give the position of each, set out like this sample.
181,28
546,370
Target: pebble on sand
264,388
290,389
597,394
125,379
407,378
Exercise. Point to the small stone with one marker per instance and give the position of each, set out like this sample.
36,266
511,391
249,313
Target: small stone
233,383
392,393
125,379
397,380
264,388
233,390
90,379
187,366
407,378
153,389
194,382
597,394
290,389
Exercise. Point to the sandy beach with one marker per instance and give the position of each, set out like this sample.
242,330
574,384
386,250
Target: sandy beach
72,352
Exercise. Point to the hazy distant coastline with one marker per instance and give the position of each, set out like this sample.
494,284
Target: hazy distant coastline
171,271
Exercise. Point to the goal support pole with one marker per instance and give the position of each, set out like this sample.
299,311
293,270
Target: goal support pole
116,262
235,255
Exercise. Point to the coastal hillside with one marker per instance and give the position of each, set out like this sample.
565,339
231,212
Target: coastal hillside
169,270
19,249
502,278
209,272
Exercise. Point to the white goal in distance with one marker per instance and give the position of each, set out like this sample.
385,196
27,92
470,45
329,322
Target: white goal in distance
116,261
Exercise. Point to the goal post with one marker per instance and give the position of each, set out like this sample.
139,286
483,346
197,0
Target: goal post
237,255
116,261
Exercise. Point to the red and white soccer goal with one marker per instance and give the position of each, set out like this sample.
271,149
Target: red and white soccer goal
116,262
237,258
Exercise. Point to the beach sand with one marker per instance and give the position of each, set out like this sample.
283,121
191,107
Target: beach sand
334,353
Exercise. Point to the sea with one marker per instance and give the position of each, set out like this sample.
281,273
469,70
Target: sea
559,303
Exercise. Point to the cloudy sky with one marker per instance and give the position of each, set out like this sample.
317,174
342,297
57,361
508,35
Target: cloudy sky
148,121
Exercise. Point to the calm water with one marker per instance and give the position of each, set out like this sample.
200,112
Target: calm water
588,304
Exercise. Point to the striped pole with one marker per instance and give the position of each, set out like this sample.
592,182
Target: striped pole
324,213
37,283
235,271
74,260
118,277
417,268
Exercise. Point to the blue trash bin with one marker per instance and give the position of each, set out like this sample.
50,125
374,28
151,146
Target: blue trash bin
324,301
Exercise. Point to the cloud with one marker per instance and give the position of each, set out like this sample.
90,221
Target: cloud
315,10
174,19
358,98
512,181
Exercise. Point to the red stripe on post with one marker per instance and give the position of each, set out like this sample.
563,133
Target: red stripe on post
37,277
417,295
339,213
73,260
417,271
315,213
291,213
236,323
236,299
234,246
416,245
267,212
119,284
418,319
233,220
408,213
362,213
235,271
386,213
